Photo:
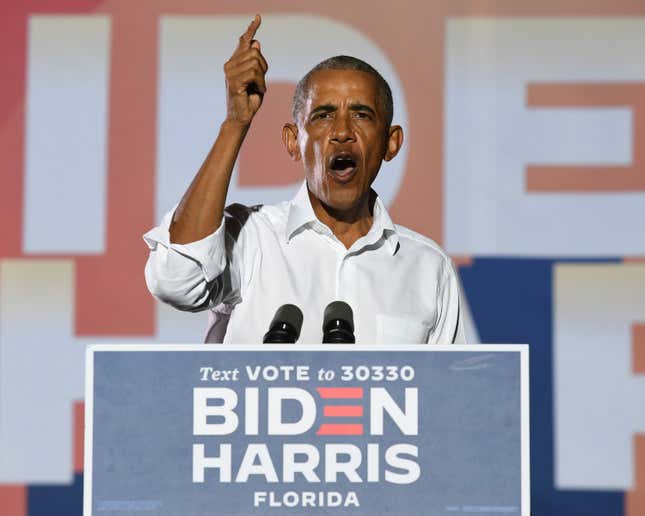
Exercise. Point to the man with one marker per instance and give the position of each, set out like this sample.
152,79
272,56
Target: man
334,241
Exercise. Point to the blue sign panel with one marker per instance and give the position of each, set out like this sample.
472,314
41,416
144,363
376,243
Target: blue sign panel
284,430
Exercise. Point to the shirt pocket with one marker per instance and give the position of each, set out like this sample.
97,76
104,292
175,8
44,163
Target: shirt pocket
400,330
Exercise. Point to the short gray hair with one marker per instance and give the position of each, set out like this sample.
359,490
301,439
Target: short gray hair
384,92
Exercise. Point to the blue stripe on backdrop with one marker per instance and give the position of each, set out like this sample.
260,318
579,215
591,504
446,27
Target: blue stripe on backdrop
43,500
511,301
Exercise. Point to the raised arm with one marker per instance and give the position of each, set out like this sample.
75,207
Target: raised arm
201,208
192,262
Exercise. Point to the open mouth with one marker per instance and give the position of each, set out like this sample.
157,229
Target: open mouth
342,166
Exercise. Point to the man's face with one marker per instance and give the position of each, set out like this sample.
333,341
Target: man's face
342,137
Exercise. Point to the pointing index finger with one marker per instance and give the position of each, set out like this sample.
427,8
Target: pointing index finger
247,37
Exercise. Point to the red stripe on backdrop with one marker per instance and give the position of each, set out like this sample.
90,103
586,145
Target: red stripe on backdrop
638,348
13,500
263,159
635,499
13,71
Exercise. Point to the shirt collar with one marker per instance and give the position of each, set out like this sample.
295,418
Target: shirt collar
301,216
301,212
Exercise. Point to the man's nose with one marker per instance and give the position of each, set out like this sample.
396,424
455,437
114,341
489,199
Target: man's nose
342,130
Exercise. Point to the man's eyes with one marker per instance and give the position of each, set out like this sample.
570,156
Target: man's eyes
329,115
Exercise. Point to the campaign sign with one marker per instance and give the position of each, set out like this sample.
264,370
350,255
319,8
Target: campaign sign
315,430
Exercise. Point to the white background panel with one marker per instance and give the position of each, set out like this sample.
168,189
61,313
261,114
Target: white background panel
66,134
41,371
598,400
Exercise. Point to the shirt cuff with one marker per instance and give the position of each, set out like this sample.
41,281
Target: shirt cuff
209,252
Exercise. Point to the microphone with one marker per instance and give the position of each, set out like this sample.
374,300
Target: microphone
285,326
338,324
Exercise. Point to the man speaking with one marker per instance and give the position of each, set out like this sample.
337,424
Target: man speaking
333,241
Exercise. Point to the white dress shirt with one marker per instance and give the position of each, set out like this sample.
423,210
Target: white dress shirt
401,285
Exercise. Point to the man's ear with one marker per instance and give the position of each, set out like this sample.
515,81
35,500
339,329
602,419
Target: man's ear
394,142
290,140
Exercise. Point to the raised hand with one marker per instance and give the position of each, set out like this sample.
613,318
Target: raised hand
201,208
244,71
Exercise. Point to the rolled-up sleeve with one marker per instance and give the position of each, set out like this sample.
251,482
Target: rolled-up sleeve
186,275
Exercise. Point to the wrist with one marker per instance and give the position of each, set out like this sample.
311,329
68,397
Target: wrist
231,124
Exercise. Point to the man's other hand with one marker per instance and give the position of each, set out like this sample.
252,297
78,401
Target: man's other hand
244,71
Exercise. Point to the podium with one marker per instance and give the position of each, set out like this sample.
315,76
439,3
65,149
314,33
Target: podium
306,429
